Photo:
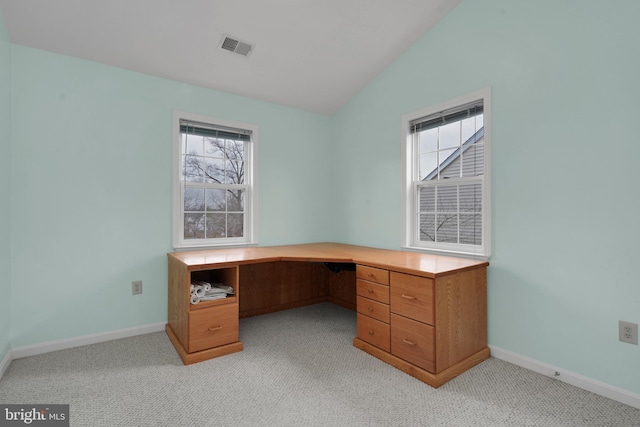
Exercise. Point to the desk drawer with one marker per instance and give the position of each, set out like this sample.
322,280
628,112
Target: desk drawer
372,274
374,332
371,290
212,327
413,341
374,309
412,297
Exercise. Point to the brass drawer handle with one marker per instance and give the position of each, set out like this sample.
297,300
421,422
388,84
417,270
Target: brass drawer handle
370,291
408,297
215,328
370,309
409,342
370,331
369,275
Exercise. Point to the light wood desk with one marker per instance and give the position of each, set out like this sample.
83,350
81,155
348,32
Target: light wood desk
423,314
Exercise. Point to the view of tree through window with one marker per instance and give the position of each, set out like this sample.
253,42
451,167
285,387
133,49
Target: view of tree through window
213,173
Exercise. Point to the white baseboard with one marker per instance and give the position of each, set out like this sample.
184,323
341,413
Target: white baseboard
47,347
594,386
4,364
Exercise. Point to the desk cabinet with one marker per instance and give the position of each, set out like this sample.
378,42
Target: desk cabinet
436,327
206,329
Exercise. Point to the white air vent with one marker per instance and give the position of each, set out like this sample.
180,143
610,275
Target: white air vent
236,46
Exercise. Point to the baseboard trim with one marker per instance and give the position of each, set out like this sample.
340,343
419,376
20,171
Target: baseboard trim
585,383
4,364
47,347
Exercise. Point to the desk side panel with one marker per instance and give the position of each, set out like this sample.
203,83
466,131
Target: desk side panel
461,316
179,300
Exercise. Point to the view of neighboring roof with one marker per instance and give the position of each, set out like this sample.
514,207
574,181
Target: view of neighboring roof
456,154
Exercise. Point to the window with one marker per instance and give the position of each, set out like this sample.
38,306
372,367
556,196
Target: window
447,177
214,182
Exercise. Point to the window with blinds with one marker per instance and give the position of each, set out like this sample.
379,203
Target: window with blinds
215,176
447,184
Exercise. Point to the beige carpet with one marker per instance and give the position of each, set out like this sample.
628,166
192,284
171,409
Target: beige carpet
298,368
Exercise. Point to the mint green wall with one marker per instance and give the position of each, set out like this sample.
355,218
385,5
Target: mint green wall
91,185
564,78
5,190
91,209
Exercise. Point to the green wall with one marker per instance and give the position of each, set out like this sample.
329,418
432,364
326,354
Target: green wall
91,210
565,91
91,178
5,190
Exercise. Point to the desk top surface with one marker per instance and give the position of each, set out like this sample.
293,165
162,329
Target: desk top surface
410,262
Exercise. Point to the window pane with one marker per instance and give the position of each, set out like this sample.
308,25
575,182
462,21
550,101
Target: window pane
235,172
447,227
194,226
447,163
428,166
214,147
235,225
428,140
216,225
473,160
468,128
471,229
235,150
214,170
427,199
216,200
449,136
471,198
447,198
427,227
193,169
193,199
450,164
194,145
235,200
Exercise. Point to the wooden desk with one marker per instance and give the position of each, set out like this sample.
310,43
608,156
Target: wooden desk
424,314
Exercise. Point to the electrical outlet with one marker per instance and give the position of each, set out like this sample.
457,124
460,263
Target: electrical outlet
628,332
136,287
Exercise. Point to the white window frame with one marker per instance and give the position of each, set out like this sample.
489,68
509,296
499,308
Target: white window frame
250,209
410,173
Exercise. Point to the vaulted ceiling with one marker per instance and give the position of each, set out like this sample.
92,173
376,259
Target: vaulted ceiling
308,54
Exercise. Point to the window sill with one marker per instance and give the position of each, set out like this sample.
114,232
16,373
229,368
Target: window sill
444,252
205,247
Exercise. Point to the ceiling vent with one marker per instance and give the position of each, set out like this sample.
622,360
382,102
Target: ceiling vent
234,45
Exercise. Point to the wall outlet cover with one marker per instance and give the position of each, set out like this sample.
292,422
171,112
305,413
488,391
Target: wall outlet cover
628,332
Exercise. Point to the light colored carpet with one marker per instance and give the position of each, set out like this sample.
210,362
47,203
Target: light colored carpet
299,368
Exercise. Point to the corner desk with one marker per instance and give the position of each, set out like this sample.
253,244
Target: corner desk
423,314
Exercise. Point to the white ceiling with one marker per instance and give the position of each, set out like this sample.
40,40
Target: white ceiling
309,54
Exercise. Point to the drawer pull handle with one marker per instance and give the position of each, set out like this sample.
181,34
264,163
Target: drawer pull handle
370,291
370,309
369,275
370,331
408,297
215,328
408,342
